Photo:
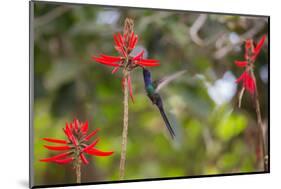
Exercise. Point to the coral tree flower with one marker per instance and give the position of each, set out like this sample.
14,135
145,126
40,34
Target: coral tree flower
251,52
75,146
124,44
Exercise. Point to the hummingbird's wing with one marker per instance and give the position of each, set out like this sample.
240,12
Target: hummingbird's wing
166,80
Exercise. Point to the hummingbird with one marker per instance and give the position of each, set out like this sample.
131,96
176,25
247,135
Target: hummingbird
152,89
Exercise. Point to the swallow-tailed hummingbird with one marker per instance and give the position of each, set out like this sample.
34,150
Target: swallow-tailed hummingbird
152,88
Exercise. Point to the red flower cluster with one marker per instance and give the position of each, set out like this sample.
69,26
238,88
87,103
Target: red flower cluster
251,53
76,144
124,45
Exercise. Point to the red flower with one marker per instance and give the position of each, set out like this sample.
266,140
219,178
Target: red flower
248,82
75,146
124,45
251,53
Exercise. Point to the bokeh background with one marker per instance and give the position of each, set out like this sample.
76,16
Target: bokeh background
214,136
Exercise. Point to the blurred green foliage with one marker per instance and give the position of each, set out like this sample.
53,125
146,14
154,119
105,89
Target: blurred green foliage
213,135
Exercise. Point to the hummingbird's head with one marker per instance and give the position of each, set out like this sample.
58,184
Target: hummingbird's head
145,72
146,75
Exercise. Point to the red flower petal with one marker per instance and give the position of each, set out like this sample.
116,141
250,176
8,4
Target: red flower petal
105,61
76,124
148,62
248,48
241,78
121,47
111,58
124,35
139,56
132,37
84,128
56,157
241,63
133,41
121,51
97,152
69,134
249,84
130,88
83,158
55,140
115,70
248,44
66,133
116,40
91,145
63,161
121,41
68,129
74,140
91,134
72,126
259,45
57,147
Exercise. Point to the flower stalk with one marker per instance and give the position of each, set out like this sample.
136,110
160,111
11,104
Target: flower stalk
125,128
124,45
78,171
262,142
248,81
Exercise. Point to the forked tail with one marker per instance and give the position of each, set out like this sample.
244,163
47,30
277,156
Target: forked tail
170,129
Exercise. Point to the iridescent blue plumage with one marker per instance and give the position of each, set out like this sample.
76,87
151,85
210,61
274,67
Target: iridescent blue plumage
155,98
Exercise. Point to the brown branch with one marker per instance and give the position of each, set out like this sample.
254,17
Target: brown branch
197,25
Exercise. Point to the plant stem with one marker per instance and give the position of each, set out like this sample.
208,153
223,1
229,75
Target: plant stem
261,135
125,128
78,171
261,130
240,97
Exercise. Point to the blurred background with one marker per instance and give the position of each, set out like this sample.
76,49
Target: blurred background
213,136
